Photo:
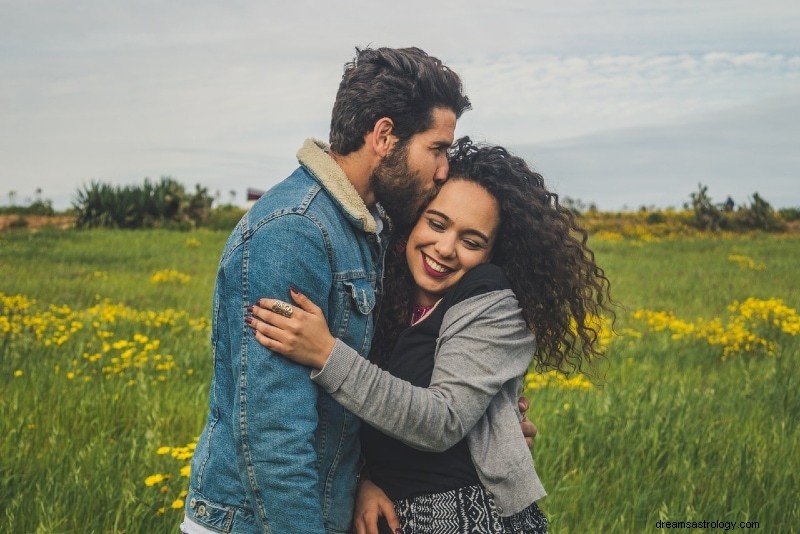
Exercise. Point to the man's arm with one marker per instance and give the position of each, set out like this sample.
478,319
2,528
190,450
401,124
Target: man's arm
276,409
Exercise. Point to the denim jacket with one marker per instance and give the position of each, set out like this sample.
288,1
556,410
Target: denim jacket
278,454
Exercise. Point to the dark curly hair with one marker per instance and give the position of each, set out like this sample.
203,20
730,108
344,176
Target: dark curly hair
539,247
403,84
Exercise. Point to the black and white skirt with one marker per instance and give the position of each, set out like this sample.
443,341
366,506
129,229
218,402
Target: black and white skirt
469,510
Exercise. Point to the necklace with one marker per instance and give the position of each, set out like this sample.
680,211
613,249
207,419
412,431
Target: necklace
418,312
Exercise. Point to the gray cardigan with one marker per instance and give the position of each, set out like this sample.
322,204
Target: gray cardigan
483,351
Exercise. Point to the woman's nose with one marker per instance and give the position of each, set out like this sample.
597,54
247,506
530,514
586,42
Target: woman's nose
445,246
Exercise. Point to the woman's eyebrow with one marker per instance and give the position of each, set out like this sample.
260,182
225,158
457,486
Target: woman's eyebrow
477,233
439,213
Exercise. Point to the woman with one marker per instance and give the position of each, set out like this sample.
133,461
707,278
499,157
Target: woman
494,273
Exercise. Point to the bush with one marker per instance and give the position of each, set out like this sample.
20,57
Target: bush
18,223
789,214
151,205
706,215
759,216
655,217
37,207
224,218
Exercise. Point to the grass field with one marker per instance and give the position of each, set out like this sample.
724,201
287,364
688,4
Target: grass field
105,364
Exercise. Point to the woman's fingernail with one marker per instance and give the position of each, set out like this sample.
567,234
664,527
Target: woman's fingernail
248,320
294,290
249,309
398,530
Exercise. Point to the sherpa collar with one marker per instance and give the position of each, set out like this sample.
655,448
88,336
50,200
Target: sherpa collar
315,156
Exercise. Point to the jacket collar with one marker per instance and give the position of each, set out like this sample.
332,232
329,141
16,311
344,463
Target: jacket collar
315,156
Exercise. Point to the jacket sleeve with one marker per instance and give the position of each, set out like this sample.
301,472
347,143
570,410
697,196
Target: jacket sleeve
276,407
483,344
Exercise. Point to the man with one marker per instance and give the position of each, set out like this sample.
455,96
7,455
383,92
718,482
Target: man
277,454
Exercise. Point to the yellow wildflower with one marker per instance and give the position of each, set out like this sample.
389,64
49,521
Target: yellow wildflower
169,276
152,480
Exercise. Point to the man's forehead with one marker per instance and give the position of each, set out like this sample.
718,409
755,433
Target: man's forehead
443,126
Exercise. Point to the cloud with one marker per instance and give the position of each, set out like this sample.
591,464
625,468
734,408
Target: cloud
735,152
537,98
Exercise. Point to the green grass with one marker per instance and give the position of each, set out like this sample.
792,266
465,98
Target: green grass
672,432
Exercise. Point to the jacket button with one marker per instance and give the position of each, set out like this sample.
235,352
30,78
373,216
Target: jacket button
193,503
201,510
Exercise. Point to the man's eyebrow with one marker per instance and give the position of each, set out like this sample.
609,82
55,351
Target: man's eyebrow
468,230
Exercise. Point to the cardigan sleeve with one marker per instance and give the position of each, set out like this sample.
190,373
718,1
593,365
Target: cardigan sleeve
483,344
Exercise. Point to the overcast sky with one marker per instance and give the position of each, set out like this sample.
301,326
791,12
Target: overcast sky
620,103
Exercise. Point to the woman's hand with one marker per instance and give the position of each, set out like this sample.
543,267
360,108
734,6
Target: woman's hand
372,504
529,430
303,337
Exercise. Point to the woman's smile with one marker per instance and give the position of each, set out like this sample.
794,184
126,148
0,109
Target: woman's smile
434,268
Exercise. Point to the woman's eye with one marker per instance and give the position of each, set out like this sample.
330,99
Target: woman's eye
436,225
472,245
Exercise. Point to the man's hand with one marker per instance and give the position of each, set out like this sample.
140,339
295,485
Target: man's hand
529,430
372,504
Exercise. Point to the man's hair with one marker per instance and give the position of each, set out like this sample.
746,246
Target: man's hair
403,84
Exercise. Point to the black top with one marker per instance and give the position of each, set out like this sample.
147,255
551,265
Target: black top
401,471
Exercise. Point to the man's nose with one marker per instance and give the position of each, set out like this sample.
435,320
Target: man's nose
441,172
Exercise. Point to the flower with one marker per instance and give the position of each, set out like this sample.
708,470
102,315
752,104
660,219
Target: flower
754,326
169,276
746,262
153,480
556,379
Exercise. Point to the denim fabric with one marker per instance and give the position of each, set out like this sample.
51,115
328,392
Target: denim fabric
278,454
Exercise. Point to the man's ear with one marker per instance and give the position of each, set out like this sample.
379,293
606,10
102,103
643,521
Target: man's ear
382,136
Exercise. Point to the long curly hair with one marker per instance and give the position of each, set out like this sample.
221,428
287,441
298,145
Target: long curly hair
541,249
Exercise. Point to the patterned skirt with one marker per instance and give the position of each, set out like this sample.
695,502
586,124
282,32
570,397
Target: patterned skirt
469,510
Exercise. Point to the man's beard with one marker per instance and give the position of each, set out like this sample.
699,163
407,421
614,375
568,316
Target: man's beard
398,188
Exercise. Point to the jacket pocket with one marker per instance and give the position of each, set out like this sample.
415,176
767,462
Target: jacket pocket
351,312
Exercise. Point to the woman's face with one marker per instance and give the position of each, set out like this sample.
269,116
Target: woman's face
455,233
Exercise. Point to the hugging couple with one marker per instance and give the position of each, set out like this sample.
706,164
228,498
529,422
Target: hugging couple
374,315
